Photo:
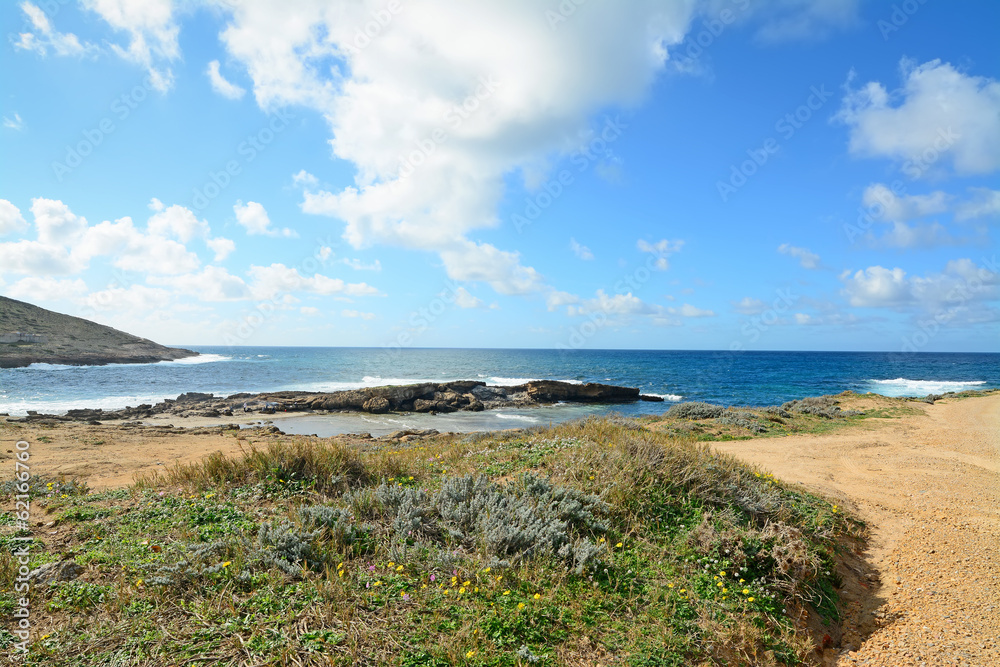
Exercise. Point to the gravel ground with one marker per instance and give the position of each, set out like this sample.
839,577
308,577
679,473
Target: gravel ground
929,487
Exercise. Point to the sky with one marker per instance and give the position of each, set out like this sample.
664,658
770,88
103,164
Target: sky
652,174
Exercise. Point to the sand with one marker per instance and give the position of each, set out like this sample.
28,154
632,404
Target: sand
928,485
929,488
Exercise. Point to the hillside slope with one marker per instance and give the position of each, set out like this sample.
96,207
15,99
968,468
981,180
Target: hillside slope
72,340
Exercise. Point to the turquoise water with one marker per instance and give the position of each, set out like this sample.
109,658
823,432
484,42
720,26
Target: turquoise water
729,378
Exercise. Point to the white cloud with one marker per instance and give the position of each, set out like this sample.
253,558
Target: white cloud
34,258
581,251
35,288
135,298
269,281
222,247
253,217
156,205
357,314
390,99
939,113
465,300
11,219
662,249
152,34
962,282
749,306
310,311
221,85
304,179
14,123
984,203
687,310
885,204
213,283
555,299
807,259
803,318
56,224
179,222
156,255
917,235
470,261
46,37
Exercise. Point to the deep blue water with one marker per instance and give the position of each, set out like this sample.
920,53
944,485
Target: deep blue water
741,378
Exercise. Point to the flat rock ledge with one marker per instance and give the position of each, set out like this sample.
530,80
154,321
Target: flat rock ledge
465,395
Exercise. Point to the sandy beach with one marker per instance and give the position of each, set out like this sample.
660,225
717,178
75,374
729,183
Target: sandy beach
927,484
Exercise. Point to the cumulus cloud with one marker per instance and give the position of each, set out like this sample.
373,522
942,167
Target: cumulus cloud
807,259
46,37
939,115
960,284
984,203
662,249
222,247
221,85
132,299
437,109
55,222
177,221
884,203
36,288
11,219
213,283
253,217
152,32
463,299
269,281
581,251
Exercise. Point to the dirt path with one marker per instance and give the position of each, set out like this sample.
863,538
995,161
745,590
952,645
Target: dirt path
929,487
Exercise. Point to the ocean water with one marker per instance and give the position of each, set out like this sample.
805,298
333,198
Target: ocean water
728,378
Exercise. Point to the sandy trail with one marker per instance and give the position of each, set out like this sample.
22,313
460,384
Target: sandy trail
929,488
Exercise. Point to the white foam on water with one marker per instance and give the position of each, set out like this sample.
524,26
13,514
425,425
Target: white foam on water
674,398
520,418
200,359
19,408
511,382
907,387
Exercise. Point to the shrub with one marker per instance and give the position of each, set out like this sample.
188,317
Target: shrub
695,411
821,406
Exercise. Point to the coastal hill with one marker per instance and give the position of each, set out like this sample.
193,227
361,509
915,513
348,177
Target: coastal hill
29,335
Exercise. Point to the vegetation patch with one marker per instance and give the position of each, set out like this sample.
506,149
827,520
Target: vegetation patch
596,541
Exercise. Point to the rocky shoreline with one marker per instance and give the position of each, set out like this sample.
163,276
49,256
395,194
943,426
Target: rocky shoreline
432,398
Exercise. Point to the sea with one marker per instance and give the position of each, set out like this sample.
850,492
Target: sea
742,378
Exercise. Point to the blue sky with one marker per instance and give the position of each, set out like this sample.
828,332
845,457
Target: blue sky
721,174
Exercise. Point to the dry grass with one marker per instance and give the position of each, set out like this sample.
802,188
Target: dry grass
258,578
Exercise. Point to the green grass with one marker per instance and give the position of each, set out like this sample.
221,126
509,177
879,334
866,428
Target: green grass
691,558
